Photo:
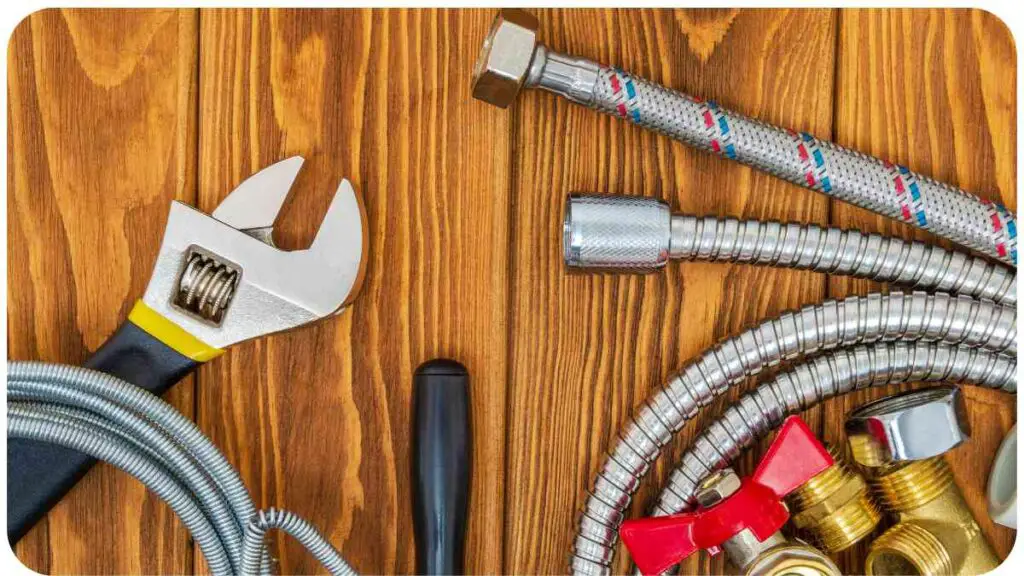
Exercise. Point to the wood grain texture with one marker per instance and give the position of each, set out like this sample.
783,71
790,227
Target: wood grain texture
588,349
318,420
933,90
101,137
114,113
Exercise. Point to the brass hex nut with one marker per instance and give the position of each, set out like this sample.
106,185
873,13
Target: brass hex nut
505,57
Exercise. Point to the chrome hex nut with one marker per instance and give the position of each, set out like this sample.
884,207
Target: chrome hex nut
717,487
911,426
505,58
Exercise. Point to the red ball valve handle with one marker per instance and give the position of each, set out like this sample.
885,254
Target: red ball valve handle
796,456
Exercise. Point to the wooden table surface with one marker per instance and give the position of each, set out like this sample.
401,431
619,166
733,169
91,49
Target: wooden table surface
114,113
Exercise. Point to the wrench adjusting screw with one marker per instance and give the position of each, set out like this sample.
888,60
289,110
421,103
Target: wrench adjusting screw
206,286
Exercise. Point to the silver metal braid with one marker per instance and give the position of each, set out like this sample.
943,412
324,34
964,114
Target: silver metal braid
641,234
112,420
761,410
829,325
879,186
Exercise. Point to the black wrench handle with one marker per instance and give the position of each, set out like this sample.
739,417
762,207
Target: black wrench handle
40,474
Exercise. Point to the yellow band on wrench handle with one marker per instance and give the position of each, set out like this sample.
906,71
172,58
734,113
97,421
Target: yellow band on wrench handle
174,336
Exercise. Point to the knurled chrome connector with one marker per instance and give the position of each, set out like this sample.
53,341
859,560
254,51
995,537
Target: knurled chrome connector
616,232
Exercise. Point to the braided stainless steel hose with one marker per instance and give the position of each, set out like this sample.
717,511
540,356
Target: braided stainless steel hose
512,58
829,325
758,412
642,234
115,421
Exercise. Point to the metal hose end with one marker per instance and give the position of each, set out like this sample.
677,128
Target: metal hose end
621,233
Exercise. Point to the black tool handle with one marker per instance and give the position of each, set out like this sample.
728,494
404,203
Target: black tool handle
40,474
441,466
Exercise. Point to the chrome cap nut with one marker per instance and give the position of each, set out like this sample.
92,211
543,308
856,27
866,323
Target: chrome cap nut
911,426
717,487
505,57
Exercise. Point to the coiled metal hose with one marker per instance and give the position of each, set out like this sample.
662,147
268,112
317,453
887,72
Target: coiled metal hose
830,325
112,420
641,234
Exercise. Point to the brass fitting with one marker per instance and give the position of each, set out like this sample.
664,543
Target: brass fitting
834,510
936,533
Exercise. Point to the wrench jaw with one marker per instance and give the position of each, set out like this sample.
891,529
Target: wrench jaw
273,290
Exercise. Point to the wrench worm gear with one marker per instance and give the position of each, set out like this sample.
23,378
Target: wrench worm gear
206,287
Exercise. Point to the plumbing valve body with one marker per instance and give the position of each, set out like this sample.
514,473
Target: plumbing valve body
936,533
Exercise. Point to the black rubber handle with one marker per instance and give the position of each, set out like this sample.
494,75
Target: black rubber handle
441,466
39,474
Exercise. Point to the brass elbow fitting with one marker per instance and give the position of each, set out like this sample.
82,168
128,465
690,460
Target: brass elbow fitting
936,533
835,509
901,440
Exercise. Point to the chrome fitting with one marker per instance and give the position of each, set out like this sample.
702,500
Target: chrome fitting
505,57
900,440
911,426
616,232
511,58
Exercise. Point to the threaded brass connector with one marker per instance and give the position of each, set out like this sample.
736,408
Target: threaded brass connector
908,548
834,510
936,533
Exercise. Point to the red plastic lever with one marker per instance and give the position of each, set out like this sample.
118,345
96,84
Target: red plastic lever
795,456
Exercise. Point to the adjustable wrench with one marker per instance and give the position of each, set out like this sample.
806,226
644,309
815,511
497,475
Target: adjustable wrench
218,280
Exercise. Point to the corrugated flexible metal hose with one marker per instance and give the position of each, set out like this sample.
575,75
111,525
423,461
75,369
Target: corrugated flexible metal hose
758,412
798,157
642,234
114,421
833,324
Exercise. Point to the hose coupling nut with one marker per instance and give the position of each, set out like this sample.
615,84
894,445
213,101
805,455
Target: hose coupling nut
504,60
616,232
911,426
